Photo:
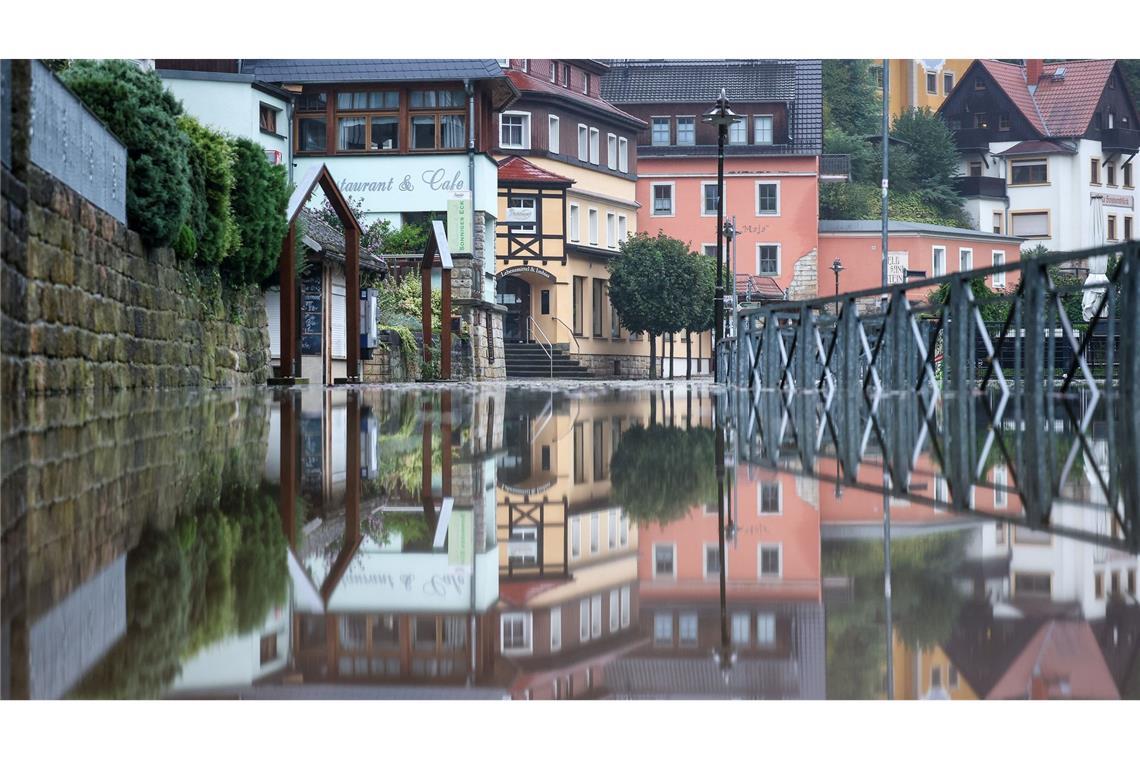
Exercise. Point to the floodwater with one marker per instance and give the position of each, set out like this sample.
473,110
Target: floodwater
577,541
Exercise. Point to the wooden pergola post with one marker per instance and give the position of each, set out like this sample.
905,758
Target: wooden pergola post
288,304
437,245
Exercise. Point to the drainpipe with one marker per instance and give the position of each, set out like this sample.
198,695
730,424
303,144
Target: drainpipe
469,86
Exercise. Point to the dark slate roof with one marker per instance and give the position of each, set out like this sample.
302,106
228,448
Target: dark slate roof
859,226
311,70
799,83
329,242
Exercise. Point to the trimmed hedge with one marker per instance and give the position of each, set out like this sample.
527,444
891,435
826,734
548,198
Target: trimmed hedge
143,115
259,199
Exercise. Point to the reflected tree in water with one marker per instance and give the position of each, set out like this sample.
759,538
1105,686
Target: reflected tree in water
659,473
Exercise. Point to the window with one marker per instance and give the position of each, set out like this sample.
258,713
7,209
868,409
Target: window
662,199
565,75
583,142
686,130
594,530
441,129
579,287
975,168
659,130
981,121
999,534
611,230
765,629
552,137
575,537
546,449
999,277
979,83
267,117
625,606
1003,122
663,628
575,224
1128,175
1029,224
947,82
741,629
769,561
738,132
709,249
623,154
615,611
997,222
579,453
595,145
623,227
504,62
516,630
268,646
1112,226
611,151
585,83
597,304
1132,582
936,677
612,522
523,203
525,64
555,629
1110,174
709,199
624,528
965,259
1098,585
762,130
767,199
768,259
595,616
712,560
593,223
938,261
1033,171
687,629
1032,584
1114,586
1127,228
768,498
514,130
663,555
932,83
584,620
1094,171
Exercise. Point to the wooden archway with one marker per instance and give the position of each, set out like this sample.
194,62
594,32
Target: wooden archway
290,356
437,246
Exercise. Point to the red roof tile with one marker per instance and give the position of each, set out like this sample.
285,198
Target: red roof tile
518,169
1057,107
527,83
1062,661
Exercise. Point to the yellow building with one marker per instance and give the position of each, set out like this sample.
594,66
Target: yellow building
918,83
927,674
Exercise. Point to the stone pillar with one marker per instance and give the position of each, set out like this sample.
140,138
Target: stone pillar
479,319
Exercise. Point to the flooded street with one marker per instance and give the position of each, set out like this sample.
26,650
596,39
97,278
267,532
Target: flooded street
566,541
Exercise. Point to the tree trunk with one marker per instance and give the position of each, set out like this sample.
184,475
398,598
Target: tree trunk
672,342
689,408
652,409
652,356
688,354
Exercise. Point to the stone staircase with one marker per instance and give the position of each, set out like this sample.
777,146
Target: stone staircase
530,360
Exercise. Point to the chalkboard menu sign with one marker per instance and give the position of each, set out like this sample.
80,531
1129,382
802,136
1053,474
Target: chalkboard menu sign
311,314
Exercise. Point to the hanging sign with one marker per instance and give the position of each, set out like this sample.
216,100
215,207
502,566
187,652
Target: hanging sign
459,233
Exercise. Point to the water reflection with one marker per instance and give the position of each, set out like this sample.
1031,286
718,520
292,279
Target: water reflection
535,543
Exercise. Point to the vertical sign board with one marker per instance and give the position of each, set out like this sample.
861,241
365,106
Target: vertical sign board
459,232
460,538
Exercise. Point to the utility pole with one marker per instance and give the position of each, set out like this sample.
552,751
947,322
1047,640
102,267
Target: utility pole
886,160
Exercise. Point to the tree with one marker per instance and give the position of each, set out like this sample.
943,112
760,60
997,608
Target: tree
698,309
647,281
850,100
659,473
259,199
933,156
212,181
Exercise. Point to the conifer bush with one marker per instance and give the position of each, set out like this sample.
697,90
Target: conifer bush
143,115
212,181
259,198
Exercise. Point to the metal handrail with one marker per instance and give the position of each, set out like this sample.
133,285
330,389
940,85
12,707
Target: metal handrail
549,351
572,336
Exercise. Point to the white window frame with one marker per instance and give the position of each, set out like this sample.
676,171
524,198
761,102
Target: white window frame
673,548
771,129
595,146
672,198
760,498
659,616
695,619
553,134
555,629
704,211
779,546
504,62
1013,217
930,74
766,616
746,640
935,270
528,627
595,533
532,200
623,228
668,123
623,155
625,606
705,249
611,230
615,610
584,619
705,560
612,529
574,223
694,120
968,254
575,537
592,225
741,125
757,197
583,143
998,279
624,529
779,260
611,151
953,80
525,143
595,616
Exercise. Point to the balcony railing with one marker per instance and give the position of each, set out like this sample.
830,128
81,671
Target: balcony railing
1123,140
835,167
972,139
980,187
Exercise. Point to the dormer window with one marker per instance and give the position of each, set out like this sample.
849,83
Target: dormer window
565,75
585,83
979,84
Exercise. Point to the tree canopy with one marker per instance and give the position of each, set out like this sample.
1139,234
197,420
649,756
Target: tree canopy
659,473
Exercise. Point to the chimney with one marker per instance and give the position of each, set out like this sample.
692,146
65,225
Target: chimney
1034,67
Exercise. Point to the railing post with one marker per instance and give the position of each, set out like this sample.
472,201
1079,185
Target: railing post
1128,448
1035,475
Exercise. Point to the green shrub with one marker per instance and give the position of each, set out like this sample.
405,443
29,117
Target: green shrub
185,243
212,182
143,115
260,196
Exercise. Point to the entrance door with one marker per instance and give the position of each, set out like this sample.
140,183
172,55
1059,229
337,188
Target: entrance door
514,293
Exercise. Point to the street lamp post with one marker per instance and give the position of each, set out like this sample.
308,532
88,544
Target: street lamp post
837,267
720,115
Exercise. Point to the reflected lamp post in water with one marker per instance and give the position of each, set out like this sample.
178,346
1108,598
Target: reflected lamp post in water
720,115
723,655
